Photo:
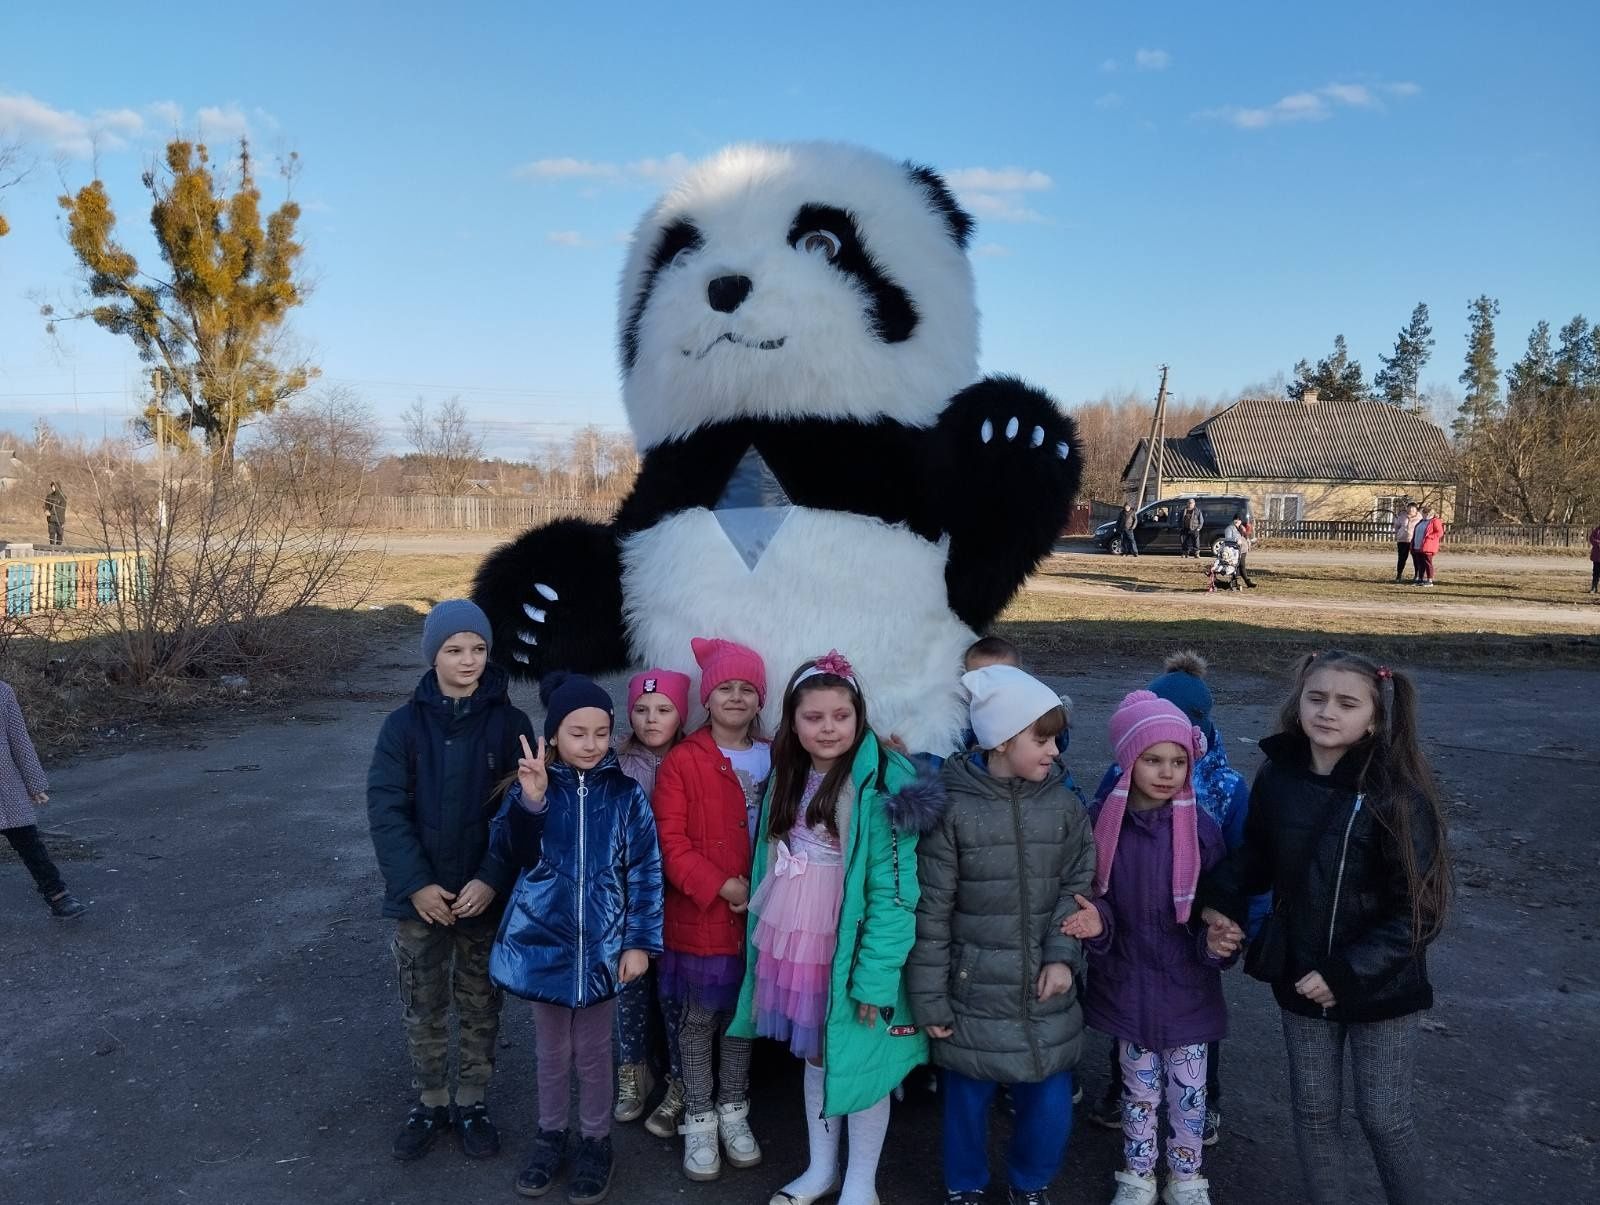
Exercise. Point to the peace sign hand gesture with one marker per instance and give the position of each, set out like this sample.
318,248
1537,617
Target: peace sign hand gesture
532,775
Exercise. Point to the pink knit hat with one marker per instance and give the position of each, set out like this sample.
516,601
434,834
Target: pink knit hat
723,661
1146,719
667,682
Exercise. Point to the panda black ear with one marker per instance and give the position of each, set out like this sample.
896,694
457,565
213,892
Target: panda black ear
943,202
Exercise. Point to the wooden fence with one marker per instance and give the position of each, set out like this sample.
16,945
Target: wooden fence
484,512
73,583
1381,531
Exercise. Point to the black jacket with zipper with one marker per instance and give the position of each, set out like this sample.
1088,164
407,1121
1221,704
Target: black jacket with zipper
1342,905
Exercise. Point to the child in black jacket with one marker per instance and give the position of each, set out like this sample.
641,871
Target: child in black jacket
430,800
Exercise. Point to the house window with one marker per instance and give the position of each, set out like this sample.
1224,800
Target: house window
1284,508
1386,506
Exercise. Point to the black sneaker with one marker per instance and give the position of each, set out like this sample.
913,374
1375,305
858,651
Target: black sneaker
1213,1128
421,1130
1034,1196
479,1138
591,1172
1107,1113
544,1163
66,906
972,1196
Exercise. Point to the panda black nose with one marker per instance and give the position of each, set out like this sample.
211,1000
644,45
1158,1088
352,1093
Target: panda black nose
727,293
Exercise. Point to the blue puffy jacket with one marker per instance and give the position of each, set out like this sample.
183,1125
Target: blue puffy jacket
589,887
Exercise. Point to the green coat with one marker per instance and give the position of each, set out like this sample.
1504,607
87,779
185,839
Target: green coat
877,926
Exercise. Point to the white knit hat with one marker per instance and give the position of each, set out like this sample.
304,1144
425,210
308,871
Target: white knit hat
1005,701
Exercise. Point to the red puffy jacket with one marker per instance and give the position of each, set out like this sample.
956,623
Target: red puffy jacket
1431,535
705,841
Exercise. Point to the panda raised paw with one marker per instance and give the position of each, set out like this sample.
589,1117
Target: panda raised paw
1013,427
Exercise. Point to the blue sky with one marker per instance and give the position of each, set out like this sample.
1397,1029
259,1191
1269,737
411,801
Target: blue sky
1219,187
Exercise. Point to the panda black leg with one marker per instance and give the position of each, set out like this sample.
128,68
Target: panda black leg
554,599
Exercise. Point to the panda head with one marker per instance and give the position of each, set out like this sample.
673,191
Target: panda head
802,280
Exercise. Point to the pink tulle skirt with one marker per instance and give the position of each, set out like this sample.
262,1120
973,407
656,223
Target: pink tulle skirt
797,930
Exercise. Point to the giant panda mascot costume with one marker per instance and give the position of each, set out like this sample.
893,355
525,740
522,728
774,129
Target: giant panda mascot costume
821,467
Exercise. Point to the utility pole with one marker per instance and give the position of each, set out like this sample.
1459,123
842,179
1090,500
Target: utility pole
157,382
1157,444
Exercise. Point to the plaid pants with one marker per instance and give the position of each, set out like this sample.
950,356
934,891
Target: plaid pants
701,1031
1382,1063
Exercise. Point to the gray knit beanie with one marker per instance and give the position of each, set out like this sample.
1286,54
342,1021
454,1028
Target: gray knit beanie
449,617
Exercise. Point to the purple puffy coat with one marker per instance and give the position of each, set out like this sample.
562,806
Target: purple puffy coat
1151,980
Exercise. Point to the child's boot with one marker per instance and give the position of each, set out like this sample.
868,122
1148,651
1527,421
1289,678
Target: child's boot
423,1126
591,1172
1134,1189
634,1082
702,1160
733,1123
544,1163
1187,1192
664,1118
66,906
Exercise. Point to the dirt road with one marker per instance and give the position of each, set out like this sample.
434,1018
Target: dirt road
222,1026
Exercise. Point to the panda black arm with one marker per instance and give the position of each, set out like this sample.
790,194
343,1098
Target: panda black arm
1007,467
554,599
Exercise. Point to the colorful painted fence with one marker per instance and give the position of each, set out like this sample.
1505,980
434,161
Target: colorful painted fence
73,583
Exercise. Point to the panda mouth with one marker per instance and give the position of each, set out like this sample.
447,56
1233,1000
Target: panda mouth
737,341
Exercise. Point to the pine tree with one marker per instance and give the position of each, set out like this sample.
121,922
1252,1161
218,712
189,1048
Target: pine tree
1396,381
1575,366
1481,376
1336,378
211,322
1531,376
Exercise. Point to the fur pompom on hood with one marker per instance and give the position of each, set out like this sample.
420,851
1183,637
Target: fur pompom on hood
917,806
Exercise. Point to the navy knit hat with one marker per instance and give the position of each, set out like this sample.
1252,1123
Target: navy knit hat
1190,693
449,617
563,693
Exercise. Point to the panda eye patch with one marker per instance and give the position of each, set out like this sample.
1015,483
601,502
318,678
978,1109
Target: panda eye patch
681,256
820,242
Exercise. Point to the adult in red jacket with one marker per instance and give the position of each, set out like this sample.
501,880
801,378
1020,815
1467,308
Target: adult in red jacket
1425,539
1594,560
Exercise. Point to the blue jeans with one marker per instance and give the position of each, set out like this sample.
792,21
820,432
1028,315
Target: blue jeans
1038,1138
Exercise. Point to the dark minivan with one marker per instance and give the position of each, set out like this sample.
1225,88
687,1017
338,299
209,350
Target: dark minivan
1159,528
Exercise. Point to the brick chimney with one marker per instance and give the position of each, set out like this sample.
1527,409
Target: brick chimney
1309,397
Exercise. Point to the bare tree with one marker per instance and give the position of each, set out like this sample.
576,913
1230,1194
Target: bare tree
445,445
329,443
14,166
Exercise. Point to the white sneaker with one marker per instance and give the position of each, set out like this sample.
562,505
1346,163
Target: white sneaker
1134,1190
733,1122
701,1158
1187,1192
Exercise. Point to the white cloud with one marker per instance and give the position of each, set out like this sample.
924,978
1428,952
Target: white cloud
226,123
1318,105
1000,208
1110,100
166,113
655,171
992,251
566,238
63,131
1152,60
1001,179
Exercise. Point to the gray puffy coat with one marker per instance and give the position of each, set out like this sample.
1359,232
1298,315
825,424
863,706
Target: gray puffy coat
997,877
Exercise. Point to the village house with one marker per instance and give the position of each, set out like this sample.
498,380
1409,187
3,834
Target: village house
1305,460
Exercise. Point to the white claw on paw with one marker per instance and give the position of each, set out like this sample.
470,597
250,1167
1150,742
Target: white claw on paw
547,592
527,637
986,432
1011,428
521,658
1061,450
1038,437
533,612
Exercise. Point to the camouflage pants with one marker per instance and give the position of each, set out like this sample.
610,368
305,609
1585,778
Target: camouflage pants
435,964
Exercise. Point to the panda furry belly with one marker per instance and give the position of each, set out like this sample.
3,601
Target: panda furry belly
828,579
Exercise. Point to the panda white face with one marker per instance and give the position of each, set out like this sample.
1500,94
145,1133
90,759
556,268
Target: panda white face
794,281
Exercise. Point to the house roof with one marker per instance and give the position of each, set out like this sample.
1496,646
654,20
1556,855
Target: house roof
1281,439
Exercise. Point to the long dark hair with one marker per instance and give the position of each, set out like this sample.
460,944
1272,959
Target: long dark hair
791,763
1394,772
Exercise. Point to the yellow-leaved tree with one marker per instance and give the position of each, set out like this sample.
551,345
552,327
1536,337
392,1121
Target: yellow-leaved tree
212,323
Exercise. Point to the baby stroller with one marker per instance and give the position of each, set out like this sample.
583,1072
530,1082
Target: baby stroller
1224,569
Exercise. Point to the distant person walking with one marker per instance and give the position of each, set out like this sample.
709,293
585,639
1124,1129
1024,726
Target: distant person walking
1405,522
1190,524
55,512
1594,560
1127,522
1425,539
1238,534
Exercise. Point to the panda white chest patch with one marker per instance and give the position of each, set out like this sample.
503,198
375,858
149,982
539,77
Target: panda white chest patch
794,582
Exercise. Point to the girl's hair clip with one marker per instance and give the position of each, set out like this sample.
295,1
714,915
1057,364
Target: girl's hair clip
832,663
1385,673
